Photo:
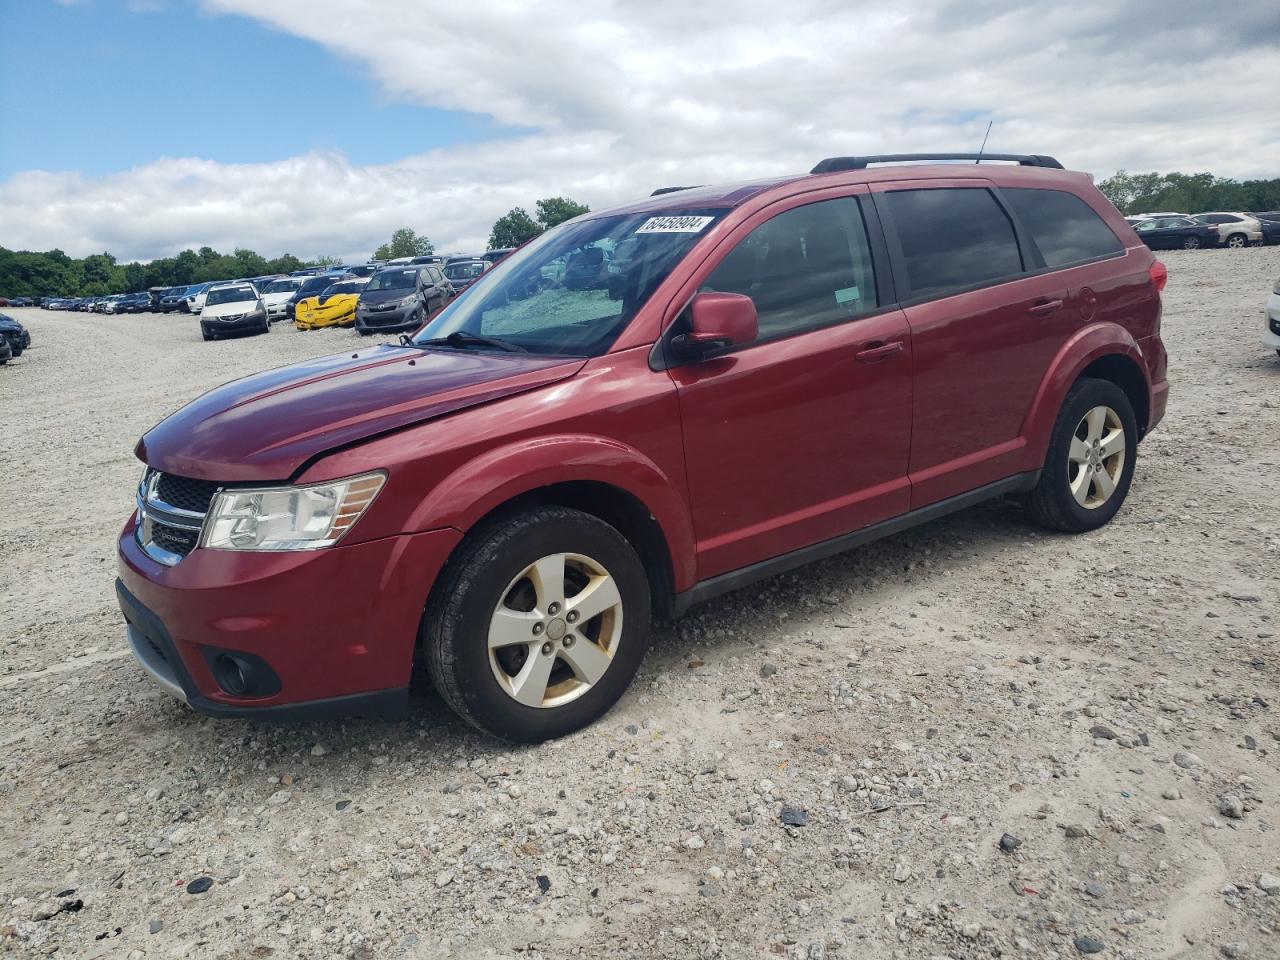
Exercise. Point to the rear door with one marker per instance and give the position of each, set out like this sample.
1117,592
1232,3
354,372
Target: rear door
803,434
983,330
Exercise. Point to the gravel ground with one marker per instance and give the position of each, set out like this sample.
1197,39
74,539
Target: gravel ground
972,740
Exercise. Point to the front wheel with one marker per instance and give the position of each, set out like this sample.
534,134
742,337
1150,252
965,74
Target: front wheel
1191,243
1089,466
538,625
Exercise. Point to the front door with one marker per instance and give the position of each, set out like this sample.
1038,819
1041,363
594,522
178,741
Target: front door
804,434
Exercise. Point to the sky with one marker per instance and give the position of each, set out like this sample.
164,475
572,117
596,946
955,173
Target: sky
142,127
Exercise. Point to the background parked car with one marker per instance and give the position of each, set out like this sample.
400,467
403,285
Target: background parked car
174,298
15,334
311,287
6,353
277,295
1235,230
20,302
233,308
462,273
401,298
335,306
493,256
196,297
1269,219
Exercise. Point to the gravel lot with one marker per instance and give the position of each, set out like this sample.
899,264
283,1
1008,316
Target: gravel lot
1110,702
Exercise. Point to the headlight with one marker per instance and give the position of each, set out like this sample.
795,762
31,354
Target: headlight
288,518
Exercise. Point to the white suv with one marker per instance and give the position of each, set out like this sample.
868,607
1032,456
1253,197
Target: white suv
1271,320
1234,229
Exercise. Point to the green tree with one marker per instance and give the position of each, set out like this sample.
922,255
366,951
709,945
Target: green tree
324,260
553,211
285,263
404,243
513,229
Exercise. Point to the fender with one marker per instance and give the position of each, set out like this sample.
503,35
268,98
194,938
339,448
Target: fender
1087,345
483,484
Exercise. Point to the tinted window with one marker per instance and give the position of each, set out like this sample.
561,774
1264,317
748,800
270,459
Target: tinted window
230,295
392,279
1064,227
808,267
953,238
464,270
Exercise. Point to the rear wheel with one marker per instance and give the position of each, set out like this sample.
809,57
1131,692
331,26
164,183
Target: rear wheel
1237,240
1191,243
1089,466
538,625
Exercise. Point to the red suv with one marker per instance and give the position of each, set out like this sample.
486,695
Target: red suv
756,376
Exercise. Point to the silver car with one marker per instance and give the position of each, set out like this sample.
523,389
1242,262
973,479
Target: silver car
1234,229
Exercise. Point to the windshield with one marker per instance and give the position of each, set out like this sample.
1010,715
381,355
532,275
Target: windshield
463,271
346,286
315,285
392,280
574,289
283,286
229,295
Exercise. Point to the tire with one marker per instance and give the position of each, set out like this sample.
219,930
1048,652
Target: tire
1237,241
1052,503
206,334
1191,243
266,326
487,577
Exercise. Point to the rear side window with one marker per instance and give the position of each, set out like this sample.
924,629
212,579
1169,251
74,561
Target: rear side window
808,267
1065,228
953,238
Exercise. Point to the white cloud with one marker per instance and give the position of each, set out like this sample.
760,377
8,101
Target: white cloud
628,96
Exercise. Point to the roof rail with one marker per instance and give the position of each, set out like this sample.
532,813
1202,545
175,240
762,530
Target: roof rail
832,164
661,190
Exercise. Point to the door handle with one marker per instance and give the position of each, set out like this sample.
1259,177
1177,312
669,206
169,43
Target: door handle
1046,308
878,351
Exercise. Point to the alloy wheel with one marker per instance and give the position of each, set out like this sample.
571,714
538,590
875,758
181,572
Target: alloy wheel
555,630
1191,243
1096,459
1236,241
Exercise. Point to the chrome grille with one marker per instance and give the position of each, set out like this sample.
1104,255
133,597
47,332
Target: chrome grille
171,512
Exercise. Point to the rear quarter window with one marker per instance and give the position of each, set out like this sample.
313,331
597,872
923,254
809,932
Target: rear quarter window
1065,228
953,238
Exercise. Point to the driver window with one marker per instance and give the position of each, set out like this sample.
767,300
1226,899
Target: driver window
806,268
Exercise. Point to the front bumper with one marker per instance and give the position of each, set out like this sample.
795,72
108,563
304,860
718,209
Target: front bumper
388,321
252,321
333,631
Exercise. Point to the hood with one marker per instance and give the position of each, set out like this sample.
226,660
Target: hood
265,427
234,308
386,296
280,296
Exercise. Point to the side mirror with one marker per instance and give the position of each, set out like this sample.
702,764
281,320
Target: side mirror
719,320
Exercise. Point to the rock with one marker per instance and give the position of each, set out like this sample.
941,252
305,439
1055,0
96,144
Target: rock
544,882
1171,793
199,884
154,794
342,804
1076,830
122,818
1096,889
1236,949
403,871
794,817
156,926
319,750
1089,945
1100,732
1269,884
1187,760
971,931
1009,843
444,878
1229,805
902,872
768,669
693,842
280,798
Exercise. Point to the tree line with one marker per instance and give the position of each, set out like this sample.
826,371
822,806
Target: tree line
25,273
1188,192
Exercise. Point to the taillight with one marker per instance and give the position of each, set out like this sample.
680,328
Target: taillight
1159,275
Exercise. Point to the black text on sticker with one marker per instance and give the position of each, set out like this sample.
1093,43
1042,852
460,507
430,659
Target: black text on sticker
675,225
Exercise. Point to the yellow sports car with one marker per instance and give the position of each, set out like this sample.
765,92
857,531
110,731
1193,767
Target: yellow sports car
335,307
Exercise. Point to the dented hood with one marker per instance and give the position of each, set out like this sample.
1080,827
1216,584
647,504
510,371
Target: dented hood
265,427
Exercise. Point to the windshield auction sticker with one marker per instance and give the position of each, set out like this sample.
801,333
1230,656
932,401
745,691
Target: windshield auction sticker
675,225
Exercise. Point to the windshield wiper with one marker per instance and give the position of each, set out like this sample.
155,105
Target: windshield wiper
461,340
